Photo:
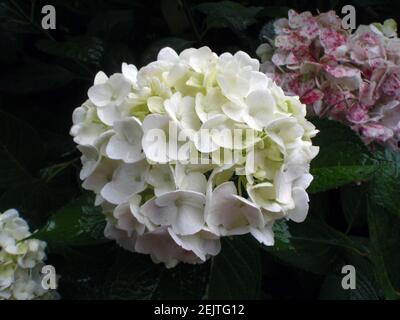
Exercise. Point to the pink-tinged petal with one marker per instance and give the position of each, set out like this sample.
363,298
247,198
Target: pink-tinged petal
341,71
376,131
279,58
162,248
331,40
281,26
297,20
391,86
367,93
312,96
357,114
330,19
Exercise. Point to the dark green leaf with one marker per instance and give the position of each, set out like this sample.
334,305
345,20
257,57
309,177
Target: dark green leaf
83,270
342,158
21,151
385,188
365,281
267,32
384,230
135,276
236,271
83,48
78,223
228,14
282,235
315,247
354,200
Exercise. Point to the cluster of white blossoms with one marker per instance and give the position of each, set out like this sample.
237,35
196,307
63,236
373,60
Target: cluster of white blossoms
21,261
191,148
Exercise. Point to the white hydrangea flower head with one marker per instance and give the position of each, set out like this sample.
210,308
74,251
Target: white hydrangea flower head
21,260
191,148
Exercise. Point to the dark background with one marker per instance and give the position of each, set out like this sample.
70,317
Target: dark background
45,75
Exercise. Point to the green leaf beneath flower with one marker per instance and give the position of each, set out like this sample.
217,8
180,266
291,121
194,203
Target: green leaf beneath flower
236,271
78,223
135,276
384,230
342,158
84,49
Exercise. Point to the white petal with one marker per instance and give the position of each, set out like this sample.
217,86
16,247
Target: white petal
100,78
126,144
168,54
264,235
155,129
90,160
109,114
299,213
130,72
200,244
162,248
126,220
161,178
127,180
100,94
182,210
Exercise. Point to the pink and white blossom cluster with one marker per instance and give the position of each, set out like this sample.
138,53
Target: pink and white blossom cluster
352,77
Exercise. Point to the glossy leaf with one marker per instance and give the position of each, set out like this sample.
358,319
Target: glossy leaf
315,247
78,223
236,271
385,188
135,276
384,230
342,158
83,49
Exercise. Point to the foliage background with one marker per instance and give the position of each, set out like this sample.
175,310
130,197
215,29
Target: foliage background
355,210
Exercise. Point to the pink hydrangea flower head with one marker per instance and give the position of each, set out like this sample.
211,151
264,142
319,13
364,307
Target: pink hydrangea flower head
351,77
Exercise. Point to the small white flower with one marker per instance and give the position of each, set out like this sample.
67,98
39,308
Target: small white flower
161,178
162,248
182,111
203,244
126,220
127,180
130,73
183,211
126,143
86,125
20,260
113,91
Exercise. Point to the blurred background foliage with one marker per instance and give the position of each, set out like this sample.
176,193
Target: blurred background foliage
45,74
